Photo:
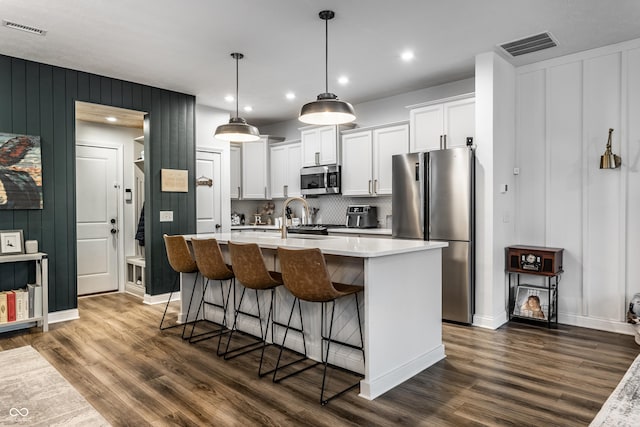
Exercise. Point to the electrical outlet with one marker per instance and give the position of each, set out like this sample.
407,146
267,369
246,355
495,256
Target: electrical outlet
166,216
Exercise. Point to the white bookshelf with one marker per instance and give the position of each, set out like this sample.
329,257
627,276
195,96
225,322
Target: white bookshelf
42,279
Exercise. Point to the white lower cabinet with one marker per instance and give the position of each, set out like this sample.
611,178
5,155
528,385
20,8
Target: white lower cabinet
366,159
286,161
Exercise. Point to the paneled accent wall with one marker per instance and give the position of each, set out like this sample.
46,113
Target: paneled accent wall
565,108
39,99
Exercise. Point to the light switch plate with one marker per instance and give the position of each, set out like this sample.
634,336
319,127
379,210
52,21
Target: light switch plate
166,216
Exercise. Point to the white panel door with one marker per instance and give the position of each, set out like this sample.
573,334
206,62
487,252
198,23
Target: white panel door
97,219
208,203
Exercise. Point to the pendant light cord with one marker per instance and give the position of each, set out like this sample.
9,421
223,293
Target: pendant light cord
237,78
326,56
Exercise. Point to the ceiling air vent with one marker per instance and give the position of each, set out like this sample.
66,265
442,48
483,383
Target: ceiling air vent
529,44
28,29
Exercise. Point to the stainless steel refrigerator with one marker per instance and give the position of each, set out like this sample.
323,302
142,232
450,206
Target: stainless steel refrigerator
433,198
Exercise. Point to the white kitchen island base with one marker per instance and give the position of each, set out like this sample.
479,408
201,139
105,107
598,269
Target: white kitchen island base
401,308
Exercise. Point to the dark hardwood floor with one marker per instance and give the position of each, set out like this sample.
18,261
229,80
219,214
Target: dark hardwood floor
519,375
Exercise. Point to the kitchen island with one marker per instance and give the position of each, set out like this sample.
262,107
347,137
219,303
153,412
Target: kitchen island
401,308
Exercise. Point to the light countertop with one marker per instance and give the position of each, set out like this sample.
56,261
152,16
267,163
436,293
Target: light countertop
361,247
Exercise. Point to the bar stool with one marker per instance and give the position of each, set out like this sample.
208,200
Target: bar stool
305,275
212,266
251,271
181,261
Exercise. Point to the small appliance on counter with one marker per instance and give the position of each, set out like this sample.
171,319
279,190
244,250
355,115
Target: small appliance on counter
362,216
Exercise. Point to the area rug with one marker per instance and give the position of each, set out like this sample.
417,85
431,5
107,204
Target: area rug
622,408
33,393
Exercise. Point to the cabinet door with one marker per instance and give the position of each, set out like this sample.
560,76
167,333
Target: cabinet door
357,164
278,171
328,136
235,169
255,170
426,127
294,163
386,143
310,147
459,121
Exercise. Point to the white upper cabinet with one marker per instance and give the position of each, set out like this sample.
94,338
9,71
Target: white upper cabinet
236,172
320,146
286,161
387,142
255,168
366,159
449,122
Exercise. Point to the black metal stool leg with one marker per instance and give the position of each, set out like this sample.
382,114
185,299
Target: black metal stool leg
284,339
222,328
175,288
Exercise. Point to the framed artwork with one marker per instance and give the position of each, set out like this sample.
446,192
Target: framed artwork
20,172
11,242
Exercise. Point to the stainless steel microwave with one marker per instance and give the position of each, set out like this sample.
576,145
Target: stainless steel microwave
316,180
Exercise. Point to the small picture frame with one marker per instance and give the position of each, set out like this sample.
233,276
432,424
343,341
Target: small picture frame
11,242
532,302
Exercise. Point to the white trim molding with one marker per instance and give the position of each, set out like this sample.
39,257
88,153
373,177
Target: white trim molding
64,315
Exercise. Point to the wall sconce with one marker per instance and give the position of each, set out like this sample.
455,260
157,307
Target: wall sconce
609,160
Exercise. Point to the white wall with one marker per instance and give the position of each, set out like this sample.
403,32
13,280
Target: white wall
380,111
207,120
116,135
565,107
495,105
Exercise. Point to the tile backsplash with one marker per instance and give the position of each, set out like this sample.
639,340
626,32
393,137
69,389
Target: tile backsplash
332,209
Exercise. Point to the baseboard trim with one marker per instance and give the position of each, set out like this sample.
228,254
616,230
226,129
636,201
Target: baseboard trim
63,316
490,322
160,298
599,324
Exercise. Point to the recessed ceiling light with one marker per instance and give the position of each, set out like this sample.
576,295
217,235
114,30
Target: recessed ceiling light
343,80
111,119
290,95
229,98
248,108
407,55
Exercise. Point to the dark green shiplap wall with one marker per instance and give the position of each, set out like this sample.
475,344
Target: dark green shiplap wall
39,99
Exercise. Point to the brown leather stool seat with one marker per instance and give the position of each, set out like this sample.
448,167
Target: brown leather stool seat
181,261
212,267
251,271
305,275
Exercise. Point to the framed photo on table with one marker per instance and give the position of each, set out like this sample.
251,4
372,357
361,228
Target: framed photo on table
11,242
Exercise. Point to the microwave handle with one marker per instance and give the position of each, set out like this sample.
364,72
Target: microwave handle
326,180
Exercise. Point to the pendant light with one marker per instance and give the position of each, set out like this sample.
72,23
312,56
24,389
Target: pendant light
327,109
237,129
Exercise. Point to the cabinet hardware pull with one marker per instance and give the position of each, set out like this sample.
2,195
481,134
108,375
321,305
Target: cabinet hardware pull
317,158
441,142
285,190
445,143
375,186
369,186
265,191
239,193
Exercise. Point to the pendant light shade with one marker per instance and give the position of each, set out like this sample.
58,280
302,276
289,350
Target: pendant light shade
327,109
237,129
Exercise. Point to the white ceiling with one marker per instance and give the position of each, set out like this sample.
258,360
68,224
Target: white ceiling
185,45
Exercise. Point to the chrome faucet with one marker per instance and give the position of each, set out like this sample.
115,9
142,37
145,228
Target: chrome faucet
284,213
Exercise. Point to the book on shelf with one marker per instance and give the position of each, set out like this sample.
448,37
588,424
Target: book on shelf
11,306
3,307
22,304
37,300
31,293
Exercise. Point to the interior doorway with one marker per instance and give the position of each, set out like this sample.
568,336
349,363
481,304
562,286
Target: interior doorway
208,191
108,166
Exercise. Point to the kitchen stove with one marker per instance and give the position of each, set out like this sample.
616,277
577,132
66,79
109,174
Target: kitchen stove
320,229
